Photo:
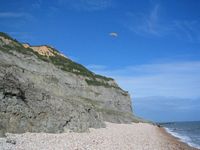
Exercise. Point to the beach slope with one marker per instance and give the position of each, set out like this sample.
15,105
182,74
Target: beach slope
137,136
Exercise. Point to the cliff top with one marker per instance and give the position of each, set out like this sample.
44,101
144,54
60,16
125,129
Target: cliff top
51,55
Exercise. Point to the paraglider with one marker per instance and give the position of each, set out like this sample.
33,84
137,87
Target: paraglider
113,34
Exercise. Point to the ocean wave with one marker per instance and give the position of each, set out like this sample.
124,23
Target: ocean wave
182,138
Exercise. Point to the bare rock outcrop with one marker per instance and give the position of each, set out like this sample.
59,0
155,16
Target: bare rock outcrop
54,94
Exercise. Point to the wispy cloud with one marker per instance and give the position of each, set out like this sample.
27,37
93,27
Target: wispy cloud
11,15
152,23
167,108
147,23
152,20
179,79
37,4
162,91
87,5
174,103
15,20
189,29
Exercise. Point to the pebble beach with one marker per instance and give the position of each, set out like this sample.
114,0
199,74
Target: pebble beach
135,136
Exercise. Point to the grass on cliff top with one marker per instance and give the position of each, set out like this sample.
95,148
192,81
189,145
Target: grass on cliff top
60,61
6,36
76,68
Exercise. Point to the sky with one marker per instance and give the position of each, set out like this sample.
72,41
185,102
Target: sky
150,47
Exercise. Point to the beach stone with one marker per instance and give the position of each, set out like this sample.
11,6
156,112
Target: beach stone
11,141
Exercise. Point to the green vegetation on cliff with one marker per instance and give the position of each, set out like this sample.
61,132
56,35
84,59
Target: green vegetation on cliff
58,60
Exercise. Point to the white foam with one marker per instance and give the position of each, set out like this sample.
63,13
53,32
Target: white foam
182,138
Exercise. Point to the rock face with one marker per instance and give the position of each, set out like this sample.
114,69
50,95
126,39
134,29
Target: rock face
54,94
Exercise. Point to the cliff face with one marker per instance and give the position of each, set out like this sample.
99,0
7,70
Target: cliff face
47,92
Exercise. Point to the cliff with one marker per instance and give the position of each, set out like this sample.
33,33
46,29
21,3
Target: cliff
41,90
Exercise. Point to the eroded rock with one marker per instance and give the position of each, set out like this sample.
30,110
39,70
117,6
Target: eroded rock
37,96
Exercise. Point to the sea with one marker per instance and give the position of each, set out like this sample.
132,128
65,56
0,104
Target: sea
187,132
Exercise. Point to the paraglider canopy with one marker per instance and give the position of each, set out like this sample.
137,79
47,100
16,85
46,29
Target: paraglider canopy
113,34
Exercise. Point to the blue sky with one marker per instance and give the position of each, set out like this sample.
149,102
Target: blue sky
155,54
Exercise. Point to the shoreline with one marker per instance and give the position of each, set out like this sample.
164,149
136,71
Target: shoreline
137,136
175,140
